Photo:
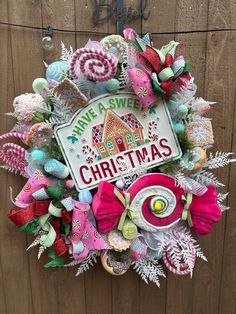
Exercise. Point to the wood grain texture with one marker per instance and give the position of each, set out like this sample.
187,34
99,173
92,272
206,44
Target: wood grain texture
25,286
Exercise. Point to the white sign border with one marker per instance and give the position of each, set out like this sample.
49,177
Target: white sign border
57,128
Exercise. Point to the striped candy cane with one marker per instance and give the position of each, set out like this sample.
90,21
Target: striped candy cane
152,126
13,155
95,64
88,150
170,264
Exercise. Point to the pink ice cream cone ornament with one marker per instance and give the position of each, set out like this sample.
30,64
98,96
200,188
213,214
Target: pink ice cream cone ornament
116,149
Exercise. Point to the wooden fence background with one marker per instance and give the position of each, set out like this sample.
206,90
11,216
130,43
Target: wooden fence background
25,286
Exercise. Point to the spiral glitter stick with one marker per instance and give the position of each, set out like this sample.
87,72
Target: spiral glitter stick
95,64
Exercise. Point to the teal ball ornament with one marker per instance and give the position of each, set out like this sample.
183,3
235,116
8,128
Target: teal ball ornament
57,71
182,111
112,85
179,127
85,196
38,156
39,84
100,88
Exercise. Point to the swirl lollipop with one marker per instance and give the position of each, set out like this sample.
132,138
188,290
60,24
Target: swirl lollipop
94,64
13,155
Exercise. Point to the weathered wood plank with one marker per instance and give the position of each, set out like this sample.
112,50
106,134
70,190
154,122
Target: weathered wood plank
223,15
227,301
20,67
219,88
84,22
60,15
5,289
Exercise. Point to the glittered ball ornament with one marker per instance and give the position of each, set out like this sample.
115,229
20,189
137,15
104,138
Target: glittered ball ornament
179,127
26,105
85,196
38,156
182,111
57,71
120,184
112,86
39,84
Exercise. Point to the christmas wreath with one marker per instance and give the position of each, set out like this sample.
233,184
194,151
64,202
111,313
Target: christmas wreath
115,149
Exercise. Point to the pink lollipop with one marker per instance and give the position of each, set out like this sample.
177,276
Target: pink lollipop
95,64
13,155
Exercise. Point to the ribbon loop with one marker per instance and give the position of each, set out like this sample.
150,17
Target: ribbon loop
125,201
186,215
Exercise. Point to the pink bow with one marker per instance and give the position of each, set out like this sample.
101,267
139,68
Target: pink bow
84,236
106,207
156,70
205,211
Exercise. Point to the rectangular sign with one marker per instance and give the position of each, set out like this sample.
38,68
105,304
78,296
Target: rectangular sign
113,135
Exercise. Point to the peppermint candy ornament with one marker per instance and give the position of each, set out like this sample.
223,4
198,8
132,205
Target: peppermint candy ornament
156,206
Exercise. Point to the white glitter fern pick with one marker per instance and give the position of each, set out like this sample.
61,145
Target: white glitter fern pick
41,250
220,159
181,245
84,264
37,239
149,270
132,176
182,181
66,54
205,177
61,112
221,198
194,116
12,170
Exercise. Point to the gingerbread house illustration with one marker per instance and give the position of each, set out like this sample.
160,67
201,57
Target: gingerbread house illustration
117,134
